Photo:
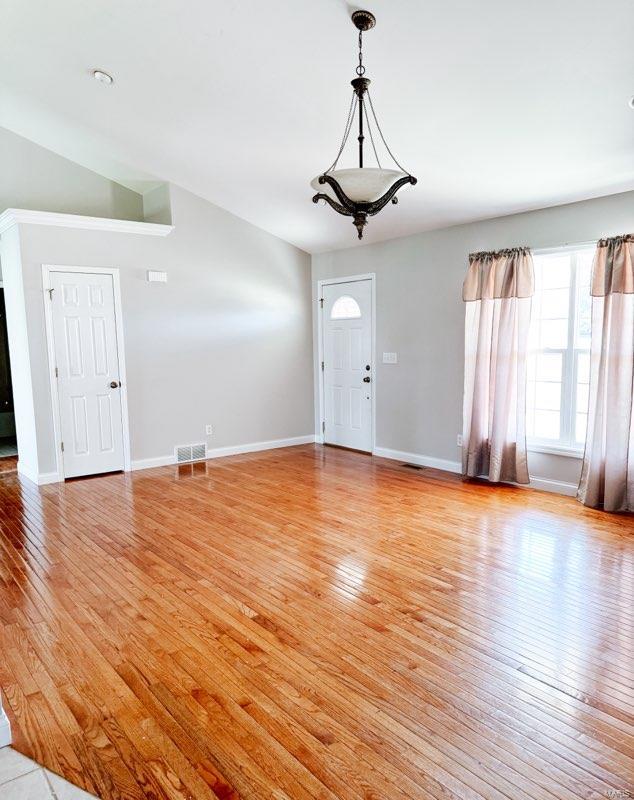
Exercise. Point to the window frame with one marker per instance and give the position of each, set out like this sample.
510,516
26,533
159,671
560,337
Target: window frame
566,444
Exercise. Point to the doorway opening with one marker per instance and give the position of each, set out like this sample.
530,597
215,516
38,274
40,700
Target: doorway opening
8,440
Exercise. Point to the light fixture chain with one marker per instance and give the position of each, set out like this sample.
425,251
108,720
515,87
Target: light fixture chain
367,118
360,68
383,137
346,133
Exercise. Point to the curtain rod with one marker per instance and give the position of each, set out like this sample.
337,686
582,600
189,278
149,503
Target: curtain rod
566,246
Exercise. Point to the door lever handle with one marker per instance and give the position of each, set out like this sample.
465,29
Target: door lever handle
115,384
367,379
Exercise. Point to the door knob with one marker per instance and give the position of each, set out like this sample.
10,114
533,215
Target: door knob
115,384
367,379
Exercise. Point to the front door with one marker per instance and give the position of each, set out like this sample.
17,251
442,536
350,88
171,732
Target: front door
347,347
88,379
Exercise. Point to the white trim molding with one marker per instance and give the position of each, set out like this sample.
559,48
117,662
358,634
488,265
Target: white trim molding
541,484
566,452
273,444
151,463
231,450
22,216
418,459
547,485
41,478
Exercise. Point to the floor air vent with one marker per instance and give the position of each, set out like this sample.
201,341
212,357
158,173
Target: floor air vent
412,466
190,452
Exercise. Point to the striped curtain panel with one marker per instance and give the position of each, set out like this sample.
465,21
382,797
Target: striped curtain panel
497,292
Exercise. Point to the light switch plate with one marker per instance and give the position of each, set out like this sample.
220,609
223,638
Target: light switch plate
390,358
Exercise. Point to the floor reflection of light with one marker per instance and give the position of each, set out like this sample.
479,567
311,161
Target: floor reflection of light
352,573
537,554
545,620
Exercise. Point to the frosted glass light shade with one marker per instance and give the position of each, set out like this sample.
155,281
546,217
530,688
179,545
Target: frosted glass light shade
361,185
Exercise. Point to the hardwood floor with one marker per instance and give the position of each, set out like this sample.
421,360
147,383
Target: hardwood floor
8,464
312,623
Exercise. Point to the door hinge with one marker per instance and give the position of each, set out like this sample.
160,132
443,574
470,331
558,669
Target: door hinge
323,426
62,446
56,372
50,293
322,366
321,302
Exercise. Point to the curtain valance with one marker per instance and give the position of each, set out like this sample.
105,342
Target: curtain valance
500,273
613,268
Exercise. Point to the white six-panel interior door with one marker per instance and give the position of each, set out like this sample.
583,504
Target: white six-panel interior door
87,372
347,368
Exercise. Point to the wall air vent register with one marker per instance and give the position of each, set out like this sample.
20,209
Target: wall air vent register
190,452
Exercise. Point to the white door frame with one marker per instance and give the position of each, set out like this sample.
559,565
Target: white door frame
371,276
47,269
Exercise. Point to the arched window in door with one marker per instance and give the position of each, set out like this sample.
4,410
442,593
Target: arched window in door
345,307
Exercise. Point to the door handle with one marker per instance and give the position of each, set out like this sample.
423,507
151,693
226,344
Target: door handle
115,384
367,379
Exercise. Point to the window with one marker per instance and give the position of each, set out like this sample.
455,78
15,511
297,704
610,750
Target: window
345,307
559,350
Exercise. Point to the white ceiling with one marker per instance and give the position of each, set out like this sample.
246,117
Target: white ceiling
495,106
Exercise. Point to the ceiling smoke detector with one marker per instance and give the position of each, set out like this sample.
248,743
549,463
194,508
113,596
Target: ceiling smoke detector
102,77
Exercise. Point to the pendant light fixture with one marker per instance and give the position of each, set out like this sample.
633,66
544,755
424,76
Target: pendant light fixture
361,192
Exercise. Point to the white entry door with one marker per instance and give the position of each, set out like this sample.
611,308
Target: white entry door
88,379
347,330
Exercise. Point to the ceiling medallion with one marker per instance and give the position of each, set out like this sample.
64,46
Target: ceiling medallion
361,192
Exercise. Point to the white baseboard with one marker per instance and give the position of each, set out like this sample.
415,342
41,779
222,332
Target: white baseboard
542,484
232,450
48,477
419,459
162,461
5,729
219,452
149,463
41,478
25,472
559,487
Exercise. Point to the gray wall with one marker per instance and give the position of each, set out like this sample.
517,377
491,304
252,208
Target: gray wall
37,179
34,178
227,341
420,315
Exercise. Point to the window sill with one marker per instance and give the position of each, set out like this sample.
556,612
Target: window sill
553,450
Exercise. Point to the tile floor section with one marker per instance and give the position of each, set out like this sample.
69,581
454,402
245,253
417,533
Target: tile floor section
23,779
8,447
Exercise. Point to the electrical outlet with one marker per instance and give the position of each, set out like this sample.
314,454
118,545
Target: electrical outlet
459,440
209,431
